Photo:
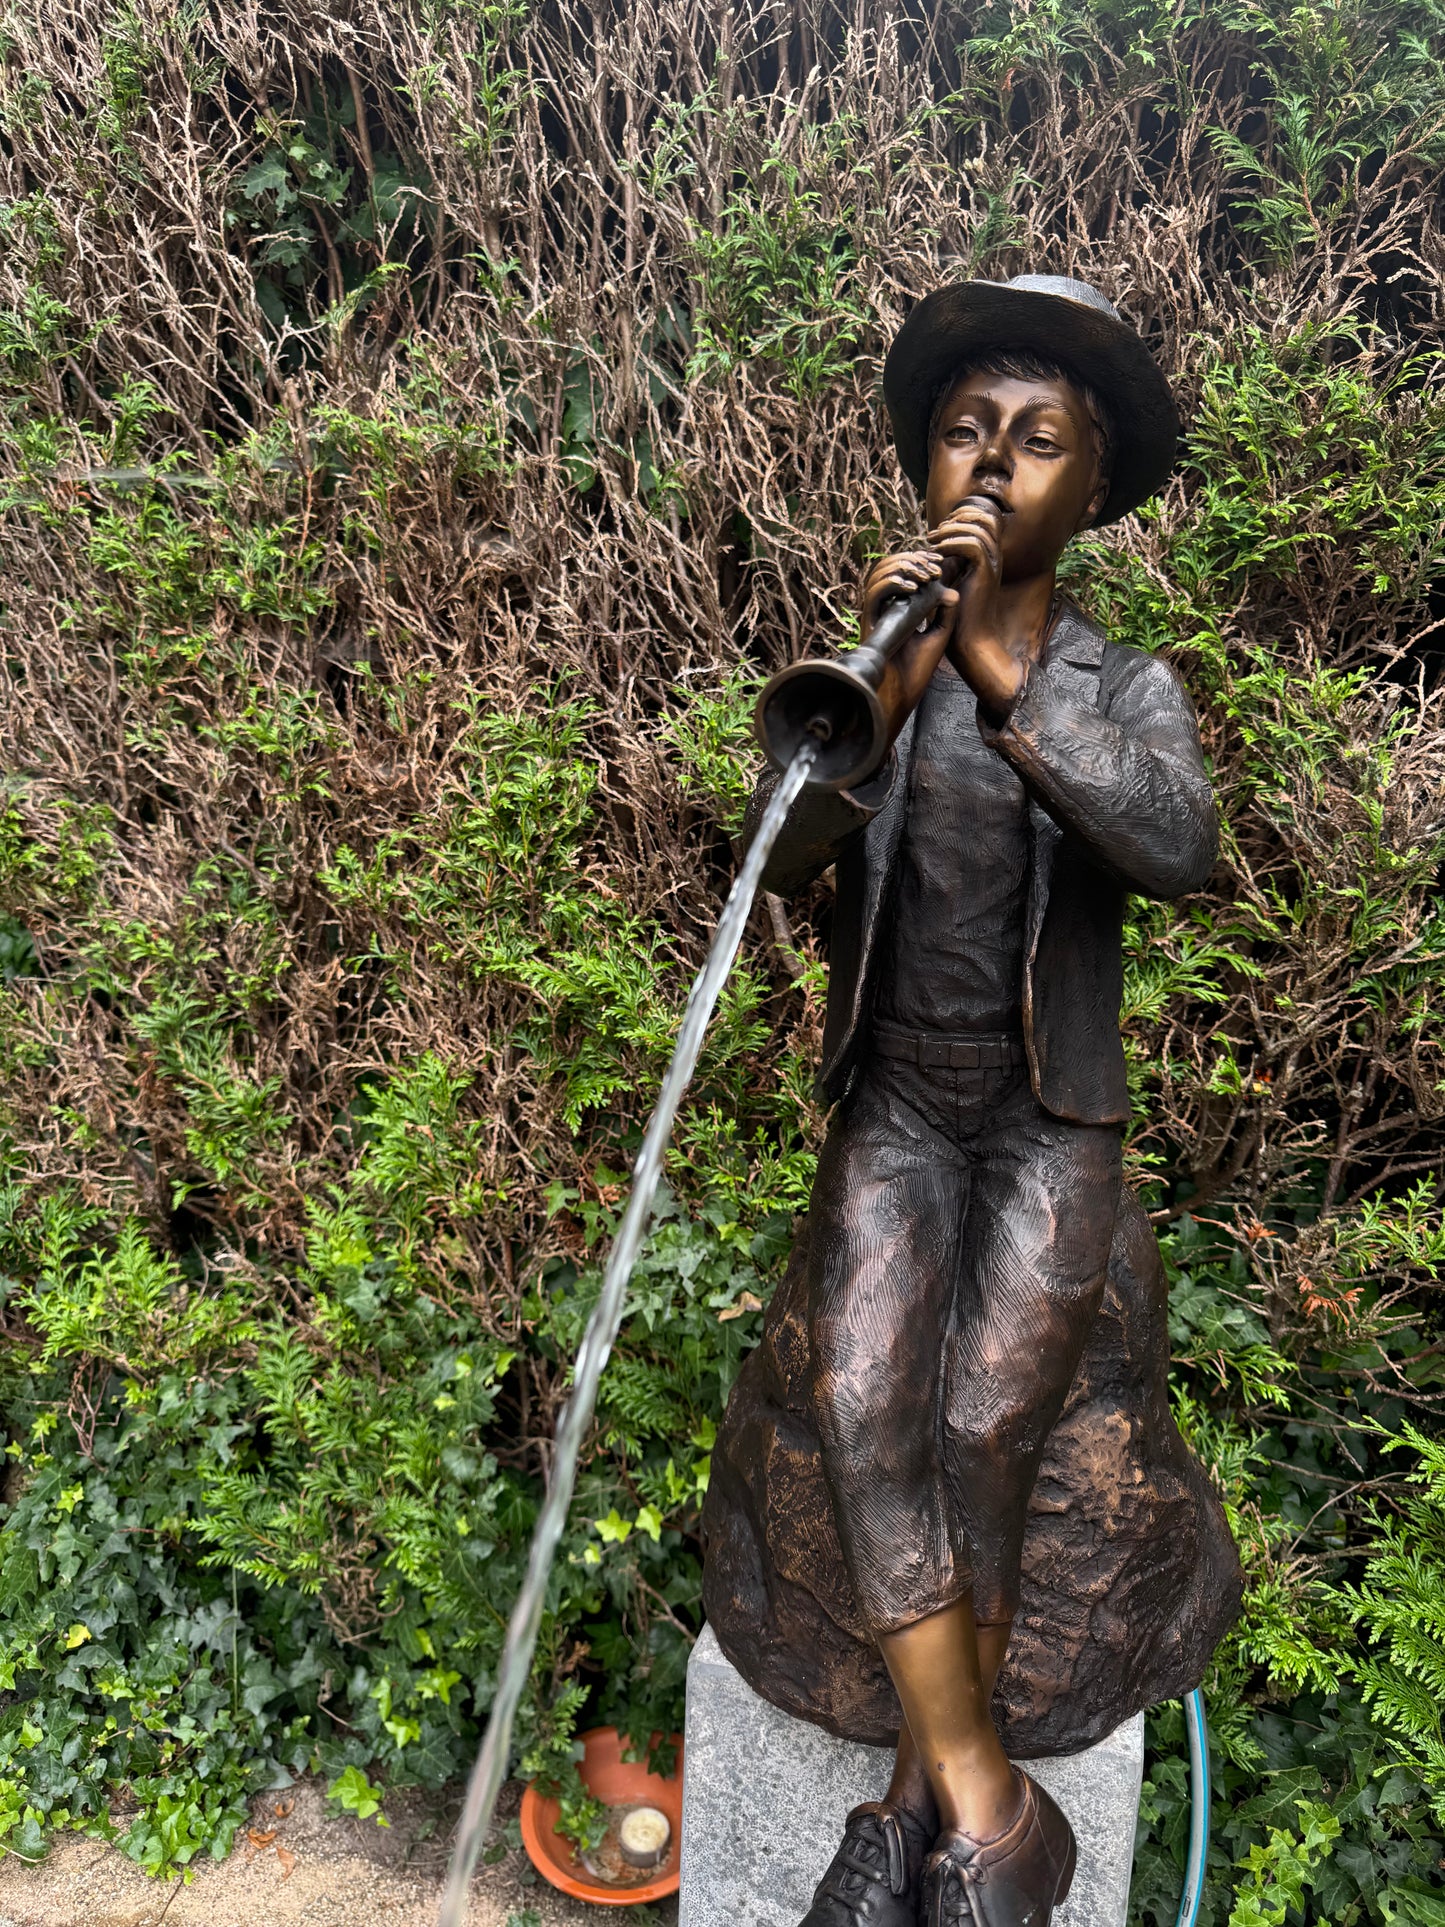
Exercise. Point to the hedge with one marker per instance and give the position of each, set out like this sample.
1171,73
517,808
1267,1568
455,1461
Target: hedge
425,424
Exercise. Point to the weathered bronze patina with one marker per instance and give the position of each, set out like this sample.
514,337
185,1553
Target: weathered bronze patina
1129,1575
950,1509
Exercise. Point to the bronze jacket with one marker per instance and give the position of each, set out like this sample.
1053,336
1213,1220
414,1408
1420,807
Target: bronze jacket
1107,745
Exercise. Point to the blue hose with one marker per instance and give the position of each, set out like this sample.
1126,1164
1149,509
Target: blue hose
1198,1809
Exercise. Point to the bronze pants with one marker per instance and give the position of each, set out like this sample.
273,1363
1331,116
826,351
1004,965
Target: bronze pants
959,1239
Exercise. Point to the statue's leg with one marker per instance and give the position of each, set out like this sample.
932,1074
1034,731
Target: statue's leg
992,1645
887,1228
1029,1274
936,1667
1037,1242
885,1223
910,1786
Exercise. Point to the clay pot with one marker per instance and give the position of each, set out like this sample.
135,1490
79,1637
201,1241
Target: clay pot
614,1781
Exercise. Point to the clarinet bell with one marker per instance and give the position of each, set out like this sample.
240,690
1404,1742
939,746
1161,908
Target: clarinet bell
852,705
834,705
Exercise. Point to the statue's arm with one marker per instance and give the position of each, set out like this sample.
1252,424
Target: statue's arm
1126,777
819,827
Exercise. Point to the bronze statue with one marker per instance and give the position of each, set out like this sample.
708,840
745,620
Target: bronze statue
950,1509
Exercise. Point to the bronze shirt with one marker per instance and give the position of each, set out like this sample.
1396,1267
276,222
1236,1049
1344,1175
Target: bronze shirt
953,960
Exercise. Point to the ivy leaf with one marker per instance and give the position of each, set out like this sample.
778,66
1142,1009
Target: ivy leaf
270,175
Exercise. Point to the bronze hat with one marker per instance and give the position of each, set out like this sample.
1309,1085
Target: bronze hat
1043,314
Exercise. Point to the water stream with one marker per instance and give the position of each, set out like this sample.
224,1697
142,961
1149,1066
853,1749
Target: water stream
601,1334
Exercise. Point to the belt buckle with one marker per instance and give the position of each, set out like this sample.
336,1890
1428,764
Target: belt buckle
967,1057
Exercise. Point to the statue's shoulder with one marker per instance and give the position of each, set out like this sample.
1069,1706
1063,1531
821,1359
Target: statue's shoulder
1082,638
1128,676
1077,638
1122,663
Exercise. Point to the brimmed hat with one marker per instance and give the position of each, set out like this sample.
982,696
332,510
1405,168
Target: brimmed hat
1042,314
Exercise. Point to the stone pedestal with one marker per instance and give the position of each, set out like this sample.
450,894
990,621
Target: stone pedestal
765,1795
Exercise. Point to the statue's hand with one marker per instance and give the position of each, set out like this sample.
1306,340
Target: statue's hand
976,647
903,575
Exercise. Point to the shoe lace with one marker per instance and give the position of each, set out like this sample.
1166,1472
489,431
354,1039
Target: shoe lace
950,1905
858,1856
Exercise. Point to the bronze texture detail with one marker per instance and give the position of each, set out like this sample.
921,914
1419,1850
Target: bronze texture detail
1129,1577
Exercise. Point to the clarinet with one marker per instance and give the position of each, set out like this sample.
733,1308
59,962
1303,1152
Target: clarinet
852,706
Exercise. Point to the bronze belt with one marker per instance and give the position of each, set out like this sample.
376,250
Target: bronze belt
933,1051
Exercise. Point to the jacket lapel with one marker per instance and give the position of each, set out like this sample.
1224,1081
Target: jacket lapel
883,835
1074,657
1075,654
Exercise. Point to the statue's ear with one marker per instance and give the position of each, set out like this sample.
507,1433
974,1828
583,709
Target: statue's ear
1094,506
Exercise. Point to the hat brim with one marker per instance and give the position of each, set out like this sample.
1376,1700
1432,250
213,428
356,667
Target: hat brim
954,323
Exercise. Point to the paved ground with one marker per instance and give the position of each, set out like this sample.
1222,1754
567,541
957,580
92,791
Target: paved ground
295,1868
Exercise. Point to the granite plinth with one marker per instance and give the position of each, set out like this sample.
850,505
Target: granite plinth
765,1795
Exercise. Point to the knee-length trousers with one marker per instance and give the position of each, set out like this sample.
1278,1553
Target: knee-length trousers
960,1236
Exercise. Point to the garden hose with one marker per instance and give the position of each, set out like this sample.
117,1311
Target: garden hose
1198,1808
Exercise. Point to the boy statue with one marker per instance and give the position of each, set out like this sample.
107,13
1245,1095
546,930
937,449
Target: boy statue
975,1297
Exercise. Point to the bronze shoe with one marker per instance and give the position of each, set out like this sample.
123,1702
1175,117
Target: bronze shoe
1014,1880
876,1876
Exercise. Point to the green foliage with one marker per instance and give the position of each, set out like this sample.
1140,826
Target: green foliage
1324,1786
1337,94
1400,1604
776,276
1276,1874
125,1667
353,1793
551,1760
1321,1827
711,741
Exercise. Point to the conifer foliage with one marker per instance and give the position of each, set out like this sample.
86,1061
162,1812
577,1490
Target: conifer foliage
424,424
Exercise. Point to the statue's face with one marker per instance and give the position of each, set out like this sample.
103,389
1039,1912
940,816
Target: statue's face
1028,443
